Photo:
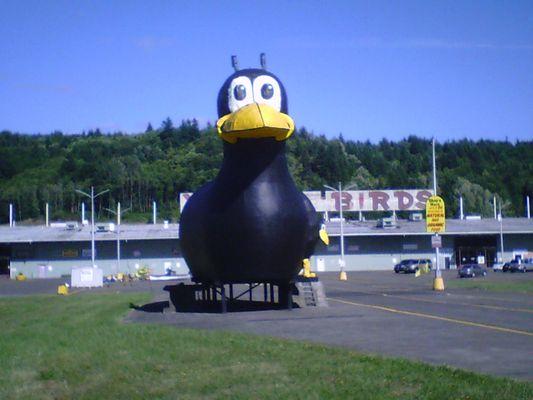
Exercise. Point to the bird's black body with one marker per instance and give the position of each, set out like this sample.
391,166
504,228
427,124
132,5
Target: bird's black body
250,224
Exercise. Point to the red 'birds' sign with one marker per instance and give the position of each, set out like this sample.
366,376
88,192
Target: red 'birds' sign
361,200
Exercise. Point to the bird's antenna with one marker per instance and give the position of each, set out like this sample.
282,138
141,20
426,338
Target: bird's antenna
263,60
235,63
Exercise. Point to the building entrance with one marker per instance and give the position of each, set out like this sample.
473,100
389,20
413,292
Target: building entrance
5,257
475,250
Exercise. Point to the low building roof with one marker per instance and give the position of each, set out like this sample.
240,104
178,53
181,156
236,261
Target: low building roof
29,234
25,234
453,227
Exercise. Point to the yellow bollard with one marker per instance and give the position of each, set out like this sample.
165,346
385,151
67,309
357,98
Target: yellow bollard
20,277
62,290
438,284
343,276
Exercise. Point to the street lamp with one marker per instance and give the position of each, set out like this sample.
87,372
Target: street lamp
92,196
500,217
342,274
118,213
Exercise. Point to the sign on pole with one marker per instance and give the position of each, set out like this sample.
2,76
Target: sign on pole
436,241
435,215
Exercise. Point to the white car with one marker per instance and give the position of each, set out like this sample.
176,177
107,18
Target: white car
498,267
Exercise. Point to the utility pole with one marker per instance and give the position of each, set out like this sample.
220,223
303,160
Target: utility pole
500,217
92,196
438,283
118,213
342,274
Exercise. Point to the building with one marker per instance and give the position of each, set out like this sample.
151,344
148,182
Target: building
41,252
370,245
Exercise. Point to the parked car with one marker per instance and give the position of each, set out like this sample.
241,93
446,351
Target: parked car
471,271
403,265
523,266
506,267
498,267
412,265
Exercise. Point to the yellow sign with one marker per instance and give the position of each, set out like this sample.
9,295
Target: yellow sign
435,215
70,253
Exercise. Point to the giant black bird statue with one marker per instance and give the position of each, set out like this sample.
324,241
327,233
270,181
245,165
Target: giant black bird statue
250,224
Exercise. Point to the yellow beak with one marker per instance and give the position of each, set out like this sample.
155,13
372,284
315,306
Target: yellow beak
255,121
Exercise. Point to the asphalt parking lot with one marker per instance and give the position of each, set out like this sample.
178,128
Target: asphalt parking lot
399,315
380,313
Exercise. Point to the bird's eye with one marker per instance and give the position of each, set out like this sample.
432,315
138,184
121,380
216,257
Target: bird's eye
267,91
239,92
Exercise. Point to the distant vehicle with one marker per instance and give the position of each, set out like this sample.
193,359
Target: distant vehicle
524,266
506,267
403,265
471,271
498,267
412,265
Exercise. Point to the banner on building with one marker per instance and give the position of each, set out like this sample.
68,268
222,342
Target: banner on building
361,200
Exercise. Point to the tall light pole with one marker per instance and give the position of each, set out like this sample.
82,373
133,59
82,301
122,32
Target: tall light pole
500,217
118,213
11,219
342,274
92,196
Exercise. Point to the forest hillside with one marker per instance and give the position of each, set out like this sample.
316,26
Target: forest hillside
160,163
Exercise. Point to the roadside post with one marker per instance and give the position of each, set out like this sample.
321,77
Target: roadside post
342,262
436,223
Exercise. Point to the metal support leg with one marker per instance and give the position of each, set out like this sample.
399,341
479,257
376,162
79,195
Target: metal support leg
285,295
265,291
272,293
250,292
231,291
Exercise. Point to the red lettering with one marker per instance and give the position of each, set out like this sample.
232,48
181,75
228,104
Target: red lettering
361,200
405,200
346,200
422,197
379,199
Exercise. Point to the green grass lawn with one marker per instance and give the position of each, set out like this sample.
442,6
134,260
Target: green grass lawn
519,286
76,347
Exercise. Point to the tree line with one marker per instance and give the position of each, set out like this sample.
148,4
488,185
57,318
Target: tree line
160,163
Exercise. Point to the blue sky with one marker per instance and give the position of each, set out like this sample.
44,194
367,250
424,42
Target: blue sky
368,70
